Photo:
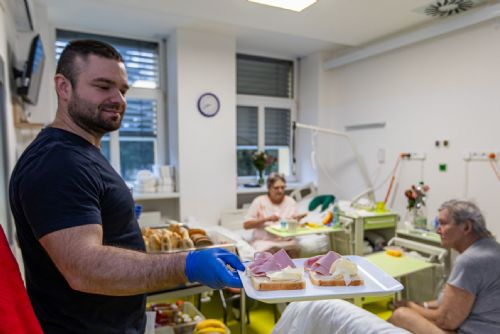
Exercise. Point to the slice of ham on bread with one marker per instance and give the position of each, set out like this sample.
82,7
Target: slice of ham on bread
269,272
332,269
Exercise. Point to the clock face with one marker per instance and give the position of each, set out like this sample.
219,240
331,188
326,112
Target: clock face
208,104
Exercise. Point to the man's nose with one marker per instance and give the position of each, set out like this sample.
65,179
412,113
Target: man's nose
119,98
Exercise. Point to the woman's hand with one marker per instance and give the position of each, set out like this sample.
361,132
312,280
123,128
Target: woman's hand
273,218
259,222
299,216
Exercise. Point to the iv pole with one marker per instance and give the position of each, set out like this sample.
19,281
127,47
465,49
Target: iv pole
359,158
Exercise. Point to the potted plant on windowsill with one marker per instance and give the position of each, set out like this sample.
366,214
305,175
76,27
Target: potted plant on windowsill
261,160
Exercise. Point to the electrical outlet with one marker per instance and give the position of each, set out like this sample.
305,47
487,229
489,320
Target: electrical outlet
482,155
417,156
414,156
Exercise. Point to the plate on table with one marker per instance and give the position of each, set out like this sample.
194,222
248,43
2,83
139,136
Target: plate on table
376,283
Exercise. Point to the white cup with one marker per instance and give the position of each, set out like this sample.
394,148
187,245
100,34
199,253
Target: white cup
166,172
292,225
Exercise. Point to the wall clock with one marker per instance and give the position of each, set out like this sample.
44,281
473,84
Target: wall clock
208,104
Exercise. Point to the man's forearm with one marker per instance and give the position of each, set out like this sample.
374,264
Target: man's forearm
115,271
428,313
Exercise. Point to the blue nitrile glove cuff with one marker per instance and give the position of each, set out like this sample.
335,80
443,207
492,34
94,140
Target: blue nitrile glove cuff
208,267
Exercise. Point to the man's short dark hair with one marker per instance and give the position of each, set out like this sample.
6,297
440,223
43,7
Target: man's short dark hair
82,49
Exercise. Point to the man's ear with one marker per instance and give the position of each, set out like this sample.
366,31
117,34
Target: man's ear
467,226
63,86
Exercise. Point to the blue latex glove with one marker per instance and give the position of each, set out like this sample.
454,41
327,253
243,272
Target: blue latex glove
208,267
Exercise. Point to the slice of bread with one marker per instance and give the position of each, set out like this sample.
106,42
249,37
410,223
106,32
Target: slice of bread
265,284
330,280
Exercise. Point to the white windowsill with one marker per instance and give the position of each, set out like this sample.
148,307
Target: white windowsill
263,189
152,196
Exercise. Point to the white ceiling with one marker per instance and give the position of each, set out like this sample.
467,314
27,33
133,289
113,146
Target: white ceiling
327,25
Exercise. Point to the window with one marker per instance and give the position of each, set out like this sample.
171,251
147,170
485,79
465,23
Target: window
135,146
265,111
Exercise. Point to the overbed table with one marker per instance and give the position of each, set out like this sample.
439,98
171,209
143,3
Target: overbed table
285,233
398,267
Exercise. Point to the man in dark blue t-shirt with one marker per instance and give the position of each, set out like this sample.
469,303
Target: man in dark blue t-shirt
86,269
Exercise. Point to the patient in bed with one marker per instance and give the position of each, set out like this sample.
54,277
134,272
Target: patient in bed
269,209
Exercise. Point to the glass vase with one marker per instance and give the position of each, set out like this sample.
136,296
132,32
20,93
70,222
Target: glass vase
416,218
260,178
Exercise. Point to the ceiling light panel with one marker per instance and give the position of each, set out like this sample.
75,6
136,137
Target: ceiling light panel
295,5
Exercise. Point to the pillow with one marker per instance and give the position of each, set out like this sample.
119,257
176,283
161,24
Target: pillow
303,204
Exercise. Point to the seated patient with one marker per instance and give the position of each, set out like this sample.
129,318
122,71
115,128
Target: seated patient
469,300
268,209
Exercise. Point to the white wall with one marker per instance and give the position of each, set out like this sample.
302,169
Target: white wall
14,49
206,147
445,88
6,42
6,28
310,75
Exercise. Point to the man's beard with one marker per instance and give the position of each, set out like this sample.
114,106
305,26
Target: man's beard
89,116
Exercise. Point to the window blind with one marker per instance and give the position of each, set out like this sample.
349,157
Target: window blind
140,119
141,58
247,126
264,76
277,126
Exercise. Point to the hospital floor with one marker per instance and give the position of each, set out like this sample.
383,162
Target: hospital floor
262,315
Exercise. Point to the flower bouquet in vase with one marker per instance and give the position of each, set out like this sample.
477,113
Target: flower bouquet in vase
417,214
261,160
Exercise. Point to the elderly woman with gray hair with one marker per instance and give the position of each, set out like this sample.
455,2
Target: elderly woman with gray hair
469,300
269,209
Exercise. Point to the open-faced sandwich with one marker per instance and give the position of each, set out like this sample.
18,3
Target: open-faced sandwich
276,271
332,269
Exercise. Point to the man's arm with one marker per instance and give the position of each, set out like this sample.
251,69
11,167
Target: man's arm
455,307
89,266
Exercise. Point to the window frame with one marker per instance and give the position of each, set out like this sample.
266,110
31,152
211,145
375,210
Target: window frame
160,145
262,102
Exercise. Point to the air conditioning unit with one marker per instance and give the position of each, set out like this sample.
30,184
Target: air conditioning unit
23,14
